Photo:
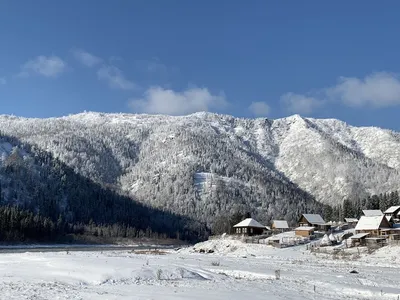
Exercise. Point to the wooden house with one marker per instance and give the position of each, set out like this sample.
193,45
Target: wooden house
393,211
351,222
375,226
305,231
249,227
314,220
280,225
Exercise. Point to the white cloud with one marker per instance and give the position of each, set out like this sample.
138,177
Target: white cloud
259,109
48,66
158,100
86,58
115,78
301,104
2,81
376,90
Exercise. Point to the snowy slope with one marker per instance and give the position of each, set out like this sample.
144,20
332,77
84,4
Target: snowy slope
263,164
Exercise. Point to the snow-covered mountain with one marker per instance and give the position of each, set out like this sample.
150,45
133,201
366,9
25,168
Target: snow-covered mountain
206,164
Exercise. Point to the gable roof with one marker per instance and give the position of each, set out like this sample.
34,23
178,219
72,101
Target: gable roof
372,223
280,224
372,212
351,220
249,222
392,209
314,219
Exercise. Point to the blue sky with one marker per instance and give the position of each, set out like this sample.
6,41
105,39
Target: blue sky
250,59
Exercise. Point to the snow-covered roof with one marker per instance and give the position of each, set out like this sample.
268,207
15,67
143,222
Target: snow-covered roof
249,222
370,223
314,219
372,212
389,218
392,209
305,228
267,227
351,220
359,235
280,224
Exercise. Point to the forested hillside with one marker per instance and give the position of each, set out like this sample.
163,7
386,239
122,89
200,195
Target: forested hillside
38,191
207,165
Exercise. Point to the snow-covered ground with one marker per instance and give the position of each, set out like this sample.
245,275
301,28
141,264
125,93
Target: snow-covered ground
234,271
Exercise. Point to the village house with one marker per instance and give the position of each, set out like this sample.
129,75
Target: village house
373,225
314,220
280,225
351,222
393,211
372,212
249,227
304,231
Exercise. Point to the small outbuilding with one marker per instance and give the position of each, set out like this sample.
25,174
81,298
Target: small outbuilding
351,222
359,239
304,231
314,220
249,227
280,225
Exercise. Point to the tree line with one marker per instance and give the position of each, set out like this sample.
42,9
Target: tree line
352,208
19,225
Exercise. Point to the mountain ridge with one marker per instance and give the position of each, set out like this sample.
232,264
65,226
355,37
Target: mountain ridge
155,159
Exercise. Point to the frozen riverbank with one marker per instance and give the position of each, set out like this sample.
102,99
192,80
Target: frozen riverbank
246,272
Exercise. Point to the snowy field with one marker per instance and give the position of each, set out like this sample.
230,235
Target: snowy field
234,271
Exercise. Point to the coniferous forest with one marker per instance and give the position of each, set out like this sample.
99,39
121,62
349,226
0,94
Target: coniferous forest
352,208
42,200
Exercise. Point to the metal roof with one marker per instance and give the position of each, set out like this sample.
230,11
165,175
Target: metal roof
372,212
280,224
314,219
392,209
249,222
